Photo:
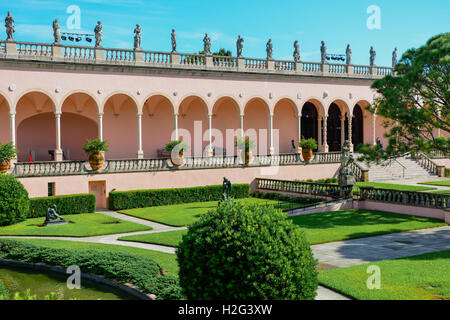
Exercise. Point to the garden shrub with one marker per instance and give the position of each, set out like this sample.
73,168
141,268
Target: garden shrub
70,204
246,252
121,267
3,290
14,202
285,197
162,197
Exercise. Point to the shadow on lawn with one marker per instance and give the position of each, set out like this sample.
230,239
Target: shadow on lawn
396,245
354,218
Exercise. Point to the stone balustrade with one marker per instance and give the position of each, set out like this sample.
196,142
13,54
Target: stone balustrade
307,188
114,56
67,168
417,199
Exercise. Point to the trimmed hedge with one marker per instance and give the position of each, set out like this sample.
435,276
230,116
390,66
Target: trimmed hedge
163,197
285,197
70,204
121,267
14,202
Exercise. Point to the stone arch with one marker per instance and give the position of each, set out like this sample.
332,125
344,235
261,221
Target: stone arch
334,127
120,93
31,91
36,138
157,124
85,93
285,120
120,126
226,120
79,122
312,111
256,117
193,114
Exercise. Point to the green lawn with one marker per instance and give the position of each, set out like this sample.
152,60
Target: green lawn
80,225
167,261
182,215
326,227
400,187
445,183
424,277
442,192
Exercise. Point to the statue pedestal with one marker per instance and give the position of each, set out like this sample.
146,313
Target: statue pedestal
54,223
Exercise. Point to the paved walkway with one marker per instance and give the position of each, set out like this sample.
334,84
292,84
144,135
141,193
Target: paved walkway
332,255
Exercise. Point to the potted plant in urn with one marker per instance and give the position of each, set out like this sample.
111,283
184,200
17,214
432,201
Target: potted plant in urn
7,152
308,145
177,155
245,147
94,149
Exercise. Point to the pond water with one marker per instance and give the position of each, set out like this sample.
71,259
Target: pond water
42,283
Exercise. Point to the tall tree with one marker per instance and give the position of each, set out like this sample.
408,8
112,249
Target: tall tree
415,100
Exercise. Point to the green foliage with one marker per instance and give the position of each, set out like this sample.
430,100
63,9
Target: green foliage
70,204
95,146
284,197
326,181
7,151
415,103
162,197
14,202
121,267
245,144
182,146
3,290
240,252
308,144
27,295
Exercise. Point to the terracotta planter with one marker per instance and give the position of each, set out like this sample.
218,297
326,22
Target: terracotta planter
4,166
177,161
247,157
96,161
307,154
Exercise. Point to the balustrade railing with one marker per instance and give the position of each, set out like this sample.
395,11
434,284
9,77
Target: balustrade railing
43,169
308,188
114,56
426,163
154,57
409,198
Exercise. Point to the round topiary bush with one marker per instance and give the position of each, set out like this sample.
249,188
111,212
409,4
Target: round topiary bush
242,252
14,202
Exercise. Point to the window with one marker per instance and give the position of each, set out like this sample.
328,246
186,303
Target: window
51,189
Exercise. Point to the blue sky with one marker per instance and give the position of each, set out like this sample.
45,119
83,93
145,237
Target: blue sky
404,24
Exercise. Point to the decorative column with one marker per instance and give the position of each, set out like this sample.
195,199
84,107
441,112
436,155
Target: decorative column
350,131
271,148
374,127
175,125
140,153
242,126
100,126
58,151
325,135
299,150
210,148
12,125
342,130
319,133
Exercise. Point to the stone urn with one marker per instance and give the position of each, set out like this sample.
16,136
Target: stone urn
307,154
96,160
4,166
177,161
247,157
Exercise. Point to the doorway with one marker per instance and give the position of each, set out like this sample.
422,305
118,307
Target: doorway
98,188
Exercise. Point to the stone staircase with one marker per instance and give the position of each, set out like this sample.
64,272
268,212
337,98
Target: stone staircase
398,169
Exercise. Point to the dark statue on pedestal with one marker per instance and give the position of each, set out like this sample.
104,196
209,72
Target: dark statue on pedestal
53,217
346,176
227,188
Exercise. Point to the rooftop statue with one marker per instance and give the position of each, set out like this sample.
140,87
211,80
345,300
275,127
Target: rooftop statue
239,46
323,52
296,51
394,58
137,37
269,49
207,45
174,41
348,54
56,32
98,34
9,25
373,55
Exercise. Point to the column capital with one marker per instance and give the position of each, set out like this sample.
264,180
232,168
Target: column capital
139,114
58,114
12,114
100,114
